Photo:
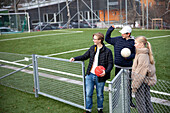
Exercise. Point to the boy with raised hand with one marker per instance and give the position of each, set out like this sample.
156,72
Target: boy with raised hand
120,42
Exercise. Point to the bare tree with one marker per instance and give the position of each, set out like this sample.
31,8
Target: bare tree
68,14
132,13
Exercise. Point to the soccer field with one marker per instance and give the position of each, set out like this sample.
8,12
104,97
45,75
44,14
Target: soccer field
66,44
73,42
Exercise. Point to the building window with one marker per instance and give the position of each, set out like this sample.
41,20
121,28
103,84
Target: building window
88,15
59,17
52,18
96,15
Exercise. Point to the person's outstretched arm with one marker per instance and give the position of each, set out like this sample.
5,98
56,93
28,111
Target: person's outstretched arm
108,38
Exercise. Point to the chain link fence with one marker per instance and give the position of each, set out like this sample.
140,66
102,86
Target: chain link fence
62,81
16,71
155,99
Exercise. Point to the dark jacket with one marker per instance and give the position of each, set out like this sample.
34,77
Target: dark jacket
105,60
119,43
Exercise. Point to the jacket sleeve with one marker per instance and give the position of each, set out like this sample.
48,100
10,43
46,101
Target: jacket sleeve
133,52
108,39
110,62
83,57
139,74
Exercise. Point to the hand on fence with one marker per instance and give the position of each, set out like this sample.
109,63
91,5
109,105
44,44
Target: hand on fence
72,59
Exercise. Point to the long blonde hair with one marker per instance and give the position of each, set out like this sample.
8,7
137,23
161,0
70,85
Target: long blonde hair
142,39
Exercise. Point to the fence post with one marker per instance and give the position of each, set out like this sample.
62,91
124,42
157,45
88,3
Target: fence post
110,98
84,84
123,92
36,80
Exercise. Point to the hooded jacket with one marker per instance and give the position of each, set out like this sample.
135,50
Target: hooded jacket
105,59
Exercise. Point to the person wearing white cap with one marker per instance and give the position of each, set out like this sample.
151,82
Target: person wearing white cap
120,42
126,29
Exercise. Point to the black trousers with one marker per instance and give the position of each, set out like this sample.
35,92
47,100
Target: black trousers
143,99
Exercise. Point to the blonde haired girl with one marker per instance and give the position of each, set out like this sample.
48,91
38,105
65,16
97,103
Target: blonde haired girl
140,72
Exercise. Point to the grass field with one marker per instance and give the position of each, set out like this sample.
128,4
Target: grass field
54,43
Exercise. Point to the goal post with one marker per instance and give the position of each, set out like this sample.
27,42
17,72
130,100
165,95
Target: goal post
15,21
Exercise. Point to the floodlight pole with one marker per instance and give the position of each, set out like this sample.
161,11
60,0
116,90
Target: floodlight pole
126,10
147,12
39,15
108,11
59,11
92,12
121,12
143,14
78,13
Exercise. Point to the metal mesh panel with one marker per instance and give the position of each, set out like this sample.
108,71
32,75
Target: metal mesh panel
14,71
61,80
119,95
151,98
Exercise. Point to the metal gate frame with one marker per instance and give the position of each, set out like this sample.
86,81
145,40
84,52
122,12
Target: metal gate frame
36,81
125,108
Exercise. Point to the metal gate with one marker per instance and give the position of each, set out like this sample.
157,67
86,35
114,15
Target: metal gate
60,79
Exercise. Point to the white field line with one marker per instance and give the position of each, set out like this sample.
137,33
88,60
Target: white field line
49,70
158,100
158,37
161,93
88,48
79,76
69,51
71,32
45,75
153,99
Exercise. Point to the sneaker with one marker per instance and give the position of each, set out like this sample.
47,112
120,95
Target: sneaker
100,111
132,105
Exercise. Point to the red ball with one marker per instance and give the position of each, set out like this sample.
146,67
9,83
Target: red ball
99,70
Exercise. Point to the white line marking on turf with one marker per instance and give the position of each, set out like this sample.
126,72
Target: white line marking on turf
67,52
45,69
158,37
70,51
88,48
67,32
153,99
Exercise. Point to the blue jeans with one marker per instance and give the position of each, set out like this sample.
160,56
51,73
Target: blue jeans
92,80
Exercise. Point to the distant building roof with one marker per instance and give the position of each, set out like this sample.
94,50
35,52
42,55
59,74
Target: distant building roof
33,5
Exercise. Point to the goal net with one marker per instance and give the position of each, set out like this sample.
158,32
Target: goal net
15,21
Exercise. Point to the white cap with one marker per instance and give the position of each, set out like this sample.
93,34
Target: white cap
126,29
